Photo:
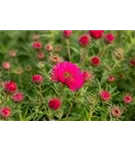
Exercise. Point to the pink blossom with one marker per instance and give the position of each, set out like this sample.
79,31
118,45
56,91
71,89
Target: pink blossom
18,97
68,74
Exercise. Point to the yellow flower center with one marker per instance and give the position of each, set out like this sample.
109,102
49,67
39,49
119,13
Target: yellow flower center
68,75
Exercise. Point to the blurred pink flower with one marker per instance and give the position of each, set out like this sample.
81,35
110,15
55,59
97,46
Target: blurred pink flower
111,78
87,76
49,47
54,103
116,112
10,87
5,112
96,34
37,78
40,55
84,40
37,45
127,99
67,33
12,53
105,95
6,65
18,97
109,38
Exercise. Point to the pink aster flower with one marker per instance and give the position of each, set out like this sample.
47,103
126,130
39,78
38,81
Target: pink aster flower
5,112
37,45
105,95
127,98
87,76
111,78
18,97
109,38
67,33
116,112
54,103
6,65
10,87
68,74
37,78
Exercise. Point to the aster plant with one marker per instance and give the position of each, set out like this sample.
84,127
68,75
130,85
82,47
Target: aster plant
67,75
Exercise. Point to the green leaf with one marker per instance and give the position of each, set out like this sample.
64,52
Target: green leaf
75,50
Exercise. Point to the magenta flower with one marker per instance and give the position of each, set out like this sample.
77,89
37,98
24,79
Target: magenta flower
105,95
37,78
18,97
5,112
109,38
10,87
127,99
68,74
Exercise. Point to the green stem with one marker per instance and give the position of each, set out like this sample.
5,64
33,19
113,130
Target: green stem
40,93
90,115
102,52
85,54
19,112
20,80
71,106
7,97
115,65
91,112
81,55
61,89
20,116
68,49
8,75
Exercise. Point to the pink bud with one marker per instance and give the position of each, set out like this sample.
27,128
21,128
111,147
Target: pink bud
6,65
109,38
18,97
12,53
111,78
127,99
116,112
40,55
5,112
48,47
67,33
10,87
105,95
37,45
87,76
37,78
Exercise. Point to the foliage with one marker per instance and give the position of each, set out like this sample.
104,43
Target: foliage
82,105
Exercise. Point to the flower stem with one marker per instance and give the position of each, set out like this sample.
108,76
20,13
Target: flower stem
102,52
40,93
116,64
81,55
71,106
19,112
68,49
20,116
61,89
85,54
